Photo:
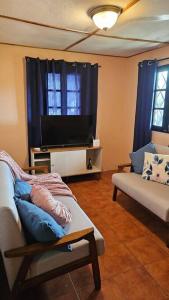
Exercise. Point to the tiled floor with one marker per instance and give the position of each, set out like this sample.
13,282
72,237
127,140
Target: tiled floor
136,262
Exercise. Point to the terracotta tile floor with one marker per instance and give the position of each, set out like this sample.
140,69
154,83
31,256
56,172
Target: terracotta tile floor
136,261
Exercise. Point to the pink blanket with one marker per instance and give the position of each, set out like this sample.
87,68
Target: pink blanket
52,181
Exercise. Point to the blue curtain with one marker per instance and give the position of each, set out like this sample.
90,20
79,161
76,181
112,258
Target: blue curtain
143,118
42,80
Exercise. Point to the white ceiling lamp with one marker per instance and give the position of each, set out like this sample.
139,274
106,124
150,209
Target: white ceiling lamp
105,16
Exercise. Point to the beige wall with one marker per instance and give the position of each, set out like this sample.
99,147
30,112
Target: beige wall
116,101
13,129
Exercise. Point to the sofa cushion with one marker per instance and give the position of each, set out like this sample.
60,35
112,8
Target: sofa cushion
80,249
137,158
22,189
40,225
152,195
43,198
156,168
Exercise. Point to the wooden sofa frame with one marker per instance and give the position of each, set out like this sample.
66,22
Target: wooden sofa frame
29,252
116,189
120,169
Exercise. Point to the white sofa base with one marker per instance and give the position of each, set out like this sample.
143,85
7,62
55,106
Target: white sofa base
152,195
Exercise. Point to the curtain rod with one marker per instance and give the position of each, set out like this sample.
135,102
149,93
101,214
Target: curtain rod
161,59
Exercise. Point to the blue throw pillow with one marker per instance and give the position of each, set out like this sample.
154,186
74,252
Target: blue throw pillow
39,224
22,189
137,158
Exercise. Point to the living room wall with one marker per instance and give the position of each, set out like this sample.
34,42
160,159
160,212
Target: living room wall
13,124
117,91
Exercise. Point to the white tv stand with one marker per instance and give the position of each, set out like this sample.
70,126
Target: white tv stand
69,161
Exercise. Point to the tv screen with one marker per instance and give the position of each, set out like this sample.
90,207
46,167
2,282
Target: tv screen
66,131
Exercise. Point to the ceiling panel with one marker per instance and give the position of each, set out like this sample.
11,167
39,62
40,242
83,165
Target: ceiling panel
148,19
141,21
65,13
26,34
108,46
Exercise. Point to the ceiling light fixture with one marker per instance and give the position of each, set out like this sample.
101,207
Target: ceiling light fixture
105,16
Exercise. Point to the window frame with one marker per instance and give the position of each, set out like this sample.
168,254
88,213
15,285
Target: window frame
64,91
165,121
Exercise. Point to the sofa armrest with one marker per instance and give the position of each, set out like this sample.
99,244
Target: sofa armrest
122,166
44,169
34,249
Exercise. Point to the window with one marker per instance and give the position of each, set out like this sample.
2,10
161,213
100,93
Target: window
63,98
160,121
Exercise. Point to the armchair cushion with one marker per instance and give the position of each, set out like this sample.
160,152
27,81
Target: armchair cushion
156,168
137,158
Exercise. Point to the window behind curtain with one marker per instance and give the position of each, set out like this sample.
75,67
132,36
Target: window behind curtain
57,87
57,105
160,121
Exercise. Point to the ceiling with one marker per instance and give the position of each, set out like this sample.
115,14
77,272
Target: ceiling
65,25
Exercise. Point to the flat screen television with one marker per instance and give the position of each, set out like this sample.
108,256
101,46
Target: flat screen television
62,131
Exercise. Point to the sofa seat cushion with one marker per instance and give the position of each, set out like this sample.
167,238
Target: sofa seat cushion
54,259
152,195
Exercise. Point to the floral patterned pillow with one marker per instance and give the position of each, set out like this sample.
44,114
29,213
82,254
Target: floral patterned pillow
156,167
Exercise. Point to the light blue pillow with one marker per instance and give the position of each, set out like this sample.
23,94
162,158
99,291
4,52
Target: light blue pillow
22,189
39,224
137,158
